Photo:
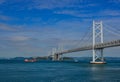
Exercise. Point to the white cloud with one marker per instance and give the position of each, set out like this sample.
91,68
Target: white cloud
110,12
52,4
114,1
2,1
8,27
5,18
19,38
85,13
74,13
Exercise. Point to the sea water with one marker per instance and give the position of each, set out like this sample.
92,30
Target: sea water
66,71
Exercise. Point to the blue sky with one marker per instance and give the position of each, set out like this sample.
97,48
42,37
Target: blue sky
34,27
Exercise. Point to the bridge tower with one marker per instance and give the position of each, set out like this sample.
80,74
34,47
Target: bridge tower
55,57
60,49
97,38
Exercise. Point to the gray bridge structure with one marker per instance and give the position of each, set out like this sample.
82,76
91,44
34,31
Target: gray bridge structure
96,47
114,43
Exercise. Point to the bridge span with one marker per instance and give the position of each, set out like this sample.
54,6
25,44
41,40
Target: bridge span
96,47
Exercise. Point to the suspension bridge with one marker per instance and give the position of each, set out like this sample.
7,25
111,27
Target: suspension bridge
97,46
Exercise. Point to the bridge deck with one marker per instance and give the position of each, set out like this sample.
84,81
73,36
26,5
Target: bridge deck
97,46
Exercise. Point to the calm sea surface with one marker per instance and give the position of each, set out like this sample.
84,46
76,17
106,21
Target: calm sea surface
69,71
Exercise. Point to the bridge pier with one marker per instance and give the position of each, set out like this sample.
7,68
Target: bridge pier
56,57
98,57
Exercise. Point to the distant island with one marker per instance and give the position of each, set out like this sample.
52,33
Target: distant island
34,59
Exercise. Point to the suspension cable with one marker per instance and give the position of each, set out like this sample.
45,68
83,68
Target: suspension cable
112,32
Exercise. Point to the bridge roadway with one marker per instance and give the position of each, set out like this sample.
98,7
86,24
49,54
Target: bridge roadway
97,46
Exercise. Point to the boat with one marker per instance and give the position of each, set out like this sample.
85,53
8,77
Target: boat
30,60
